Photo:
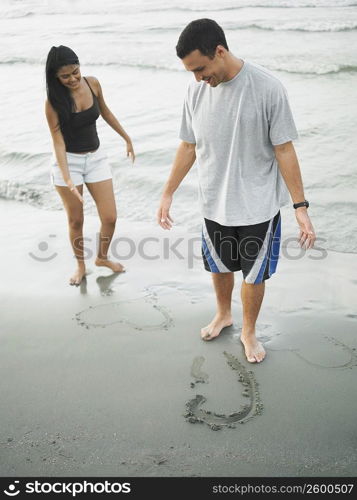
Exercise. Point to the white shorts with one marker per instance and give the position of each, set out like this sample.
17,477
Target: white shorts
83,168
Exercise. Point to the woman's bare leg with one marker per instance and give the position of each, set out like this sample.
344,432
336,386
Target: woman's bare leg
74,209
103,195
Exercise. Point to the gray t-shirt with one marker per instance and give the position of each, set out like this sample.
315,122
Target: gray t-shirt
234,127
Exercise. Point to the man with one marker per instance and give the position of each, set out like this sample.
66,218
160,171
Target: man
238,124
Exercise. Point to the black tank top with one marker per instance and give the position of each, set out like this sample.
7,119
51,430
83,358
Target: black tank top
81,135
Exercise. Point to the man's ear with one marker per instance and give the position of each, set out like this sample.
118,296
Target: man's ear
220,51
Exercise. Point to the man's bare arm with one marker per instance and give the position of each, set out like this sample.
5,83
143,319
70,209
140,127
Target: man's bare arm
184,159
290,170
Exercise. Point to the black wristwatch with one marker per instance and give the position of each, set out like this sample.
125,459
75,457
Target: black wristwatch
301,204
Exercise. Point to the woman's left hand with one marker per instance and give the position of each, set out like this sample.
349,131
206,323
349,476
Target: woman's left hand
130,151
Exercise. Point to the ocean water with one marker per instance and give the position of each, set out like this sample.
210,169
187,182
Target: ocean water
311,46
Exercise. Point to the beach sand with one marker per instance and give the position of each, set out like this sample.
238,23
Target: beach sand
112,378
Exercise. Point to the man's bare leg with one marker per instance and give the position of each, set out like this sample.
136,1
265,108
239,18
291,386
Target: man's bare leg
223,285
252,298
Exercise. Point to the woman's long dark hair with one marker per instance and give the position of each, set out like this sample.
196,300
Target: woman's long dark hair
59,95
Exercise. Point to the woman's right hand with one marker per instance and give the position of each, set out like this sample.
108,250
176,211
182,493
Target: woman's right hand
75,191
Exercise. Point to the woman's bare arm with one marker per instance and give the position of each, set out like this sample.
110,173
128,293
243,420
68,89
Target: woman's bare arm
60,147
109,117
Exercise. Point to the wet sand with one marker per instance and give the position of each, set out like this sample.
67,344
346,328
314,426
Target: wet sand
112,378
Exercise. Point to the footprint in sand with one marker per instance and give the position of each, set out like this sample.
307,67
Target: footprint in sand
151,316
216,421
196,373
104,283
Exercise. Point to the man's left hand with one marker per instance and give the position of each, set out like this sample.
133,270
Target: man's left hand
307,234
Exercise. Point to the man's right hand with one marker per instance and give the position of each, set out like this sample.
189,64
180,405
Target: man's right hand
75,191
163,215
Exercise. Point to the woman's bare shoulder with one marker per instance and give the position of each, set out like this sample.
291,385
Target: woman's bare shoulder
94,83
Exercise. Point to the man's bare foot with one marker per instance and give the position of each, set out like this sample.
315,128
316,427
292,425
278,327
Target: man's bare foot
212,330
78,276
254,349
114,266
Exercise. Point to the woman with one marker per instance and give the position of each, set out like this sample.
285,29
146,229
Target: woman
72,107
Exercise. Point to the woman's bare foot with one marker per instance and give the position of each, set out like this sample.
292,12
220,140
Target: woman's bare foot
114,266
254,349
78,276
219,322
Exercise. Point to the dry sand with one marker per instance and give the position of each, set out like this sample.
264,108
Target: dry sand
112,378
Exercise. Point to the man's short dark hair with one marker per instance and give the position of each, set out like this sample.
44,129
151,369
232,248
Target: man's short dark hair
201,34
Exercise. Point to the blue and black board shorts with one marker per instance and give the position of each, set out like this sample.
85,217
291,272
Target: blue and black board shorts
254,249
